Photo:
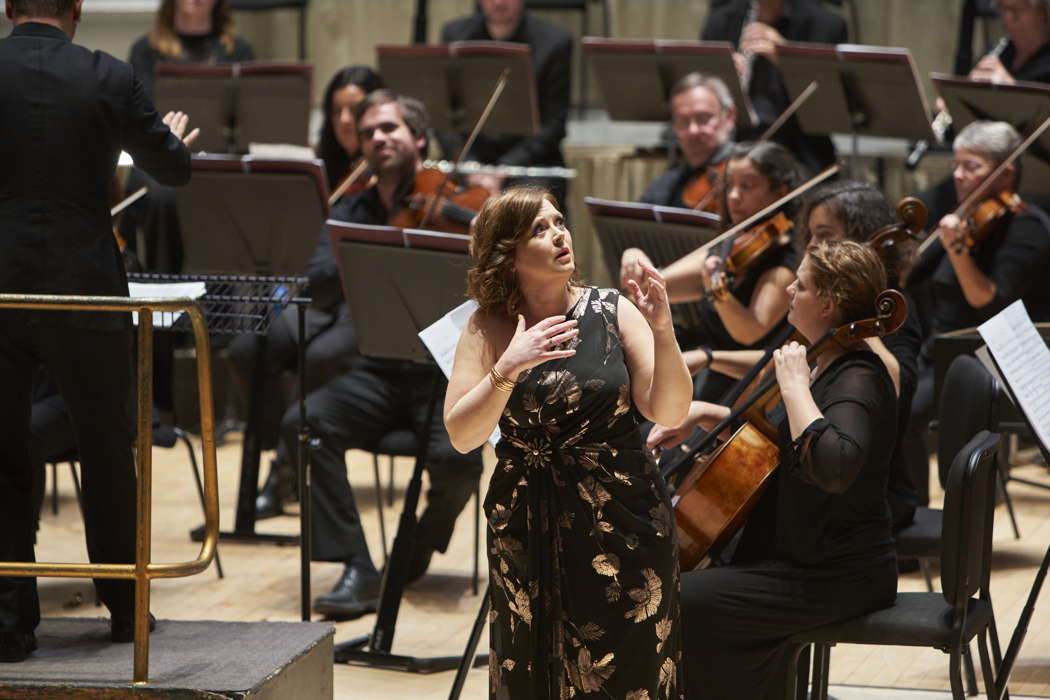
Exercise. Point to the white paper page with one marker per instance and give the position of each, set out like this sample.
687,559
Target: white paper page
1022,355
164,290
441,338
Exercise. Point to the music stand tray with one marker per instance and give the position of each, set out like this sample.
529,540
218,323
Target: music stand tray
456,80
1022,105
664,233
237,104
861,90
635,76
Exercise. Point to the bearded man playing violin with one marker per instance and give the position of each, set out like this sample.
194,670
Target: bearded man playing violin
974,270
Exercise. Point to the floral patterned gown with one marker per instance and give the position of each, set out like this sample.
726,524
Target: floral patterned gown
582,552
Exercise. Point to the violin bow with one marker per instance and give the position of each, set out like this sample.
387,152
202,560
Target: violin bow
347,181
501,83
128,201
766,135
989,178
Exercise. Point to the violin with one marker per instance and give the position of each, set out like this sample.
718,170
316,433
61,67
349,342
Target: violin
714,499
985,218
703,191
436,202
748,247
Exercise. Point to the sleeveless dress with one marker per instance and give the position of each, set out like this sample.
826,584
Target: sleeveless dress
581,538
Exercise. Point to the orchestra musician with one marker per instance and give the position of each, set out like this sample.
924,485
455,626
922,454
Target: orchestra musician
507,20
749,311
356,408
330,339
703,117
773,23
57,239
817,547
970,284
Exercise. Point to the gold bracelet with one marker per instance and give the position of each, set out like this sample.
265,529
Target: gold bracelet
500,382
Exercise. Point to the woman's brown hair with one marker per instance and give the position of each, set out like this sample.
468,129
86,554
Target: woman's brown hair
164,39
851,274
503,222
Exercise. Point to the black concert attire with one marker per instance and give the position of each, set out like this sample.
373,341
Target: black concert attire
1014,257
800,20
904,345
196,48
552,67
816,549
357,408
68,112
666,190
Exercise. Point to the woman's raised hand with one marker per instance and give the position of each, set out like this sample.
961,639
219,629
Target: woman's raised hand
533,346
653,302
792,367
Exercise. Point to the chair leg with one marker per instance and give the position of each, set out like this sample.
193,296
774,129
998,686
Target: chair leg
54,488
76,486
390,482
955,674
971,675
821,671
802,671
1009,503
924,566
180,435
379,503
986,664
477,534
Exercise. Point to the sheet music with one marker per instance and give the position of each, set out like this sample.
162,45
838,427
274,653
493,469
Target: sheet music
441,338
172,290
1024,361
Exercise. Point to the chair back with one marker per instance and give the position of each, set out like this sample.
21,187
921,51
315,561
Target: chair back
969,507
969,404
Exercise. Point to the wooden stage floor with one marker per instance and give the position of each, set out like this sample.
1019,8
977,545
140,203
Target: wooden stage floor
262,583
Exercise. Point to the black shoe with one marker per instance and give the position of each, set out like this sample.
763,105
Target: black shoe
16,646
278,489
421,555
355,594
122,629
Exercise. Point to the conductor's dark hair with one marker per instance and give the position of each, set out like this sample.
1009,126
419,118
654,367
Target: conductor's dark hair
40,8
336,160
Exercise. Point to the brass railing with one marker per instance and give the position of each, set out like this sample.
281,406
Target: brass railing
143,570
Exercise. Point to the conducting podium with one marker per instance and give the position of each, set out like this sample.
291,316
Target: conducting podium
237,104
397,282
455,82
635,76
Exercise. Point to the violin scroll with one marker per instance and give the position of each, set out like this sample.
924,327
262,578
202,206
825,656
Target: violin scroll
913,217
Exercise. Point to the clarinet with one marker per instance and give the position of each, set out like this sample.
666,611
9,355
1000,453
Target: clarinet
749,58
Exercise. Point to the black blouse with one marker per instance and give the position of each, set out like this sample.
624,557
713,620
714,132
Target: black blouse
196,48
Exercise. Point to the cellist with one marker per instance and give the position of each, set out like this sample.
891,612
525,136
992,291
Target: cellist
817,547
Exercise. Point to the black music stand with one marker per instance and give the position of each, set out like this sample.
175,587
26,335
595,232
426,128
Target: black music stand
1022,105
397,282
456,80
664,233
635,77
243,216
237,104
863,90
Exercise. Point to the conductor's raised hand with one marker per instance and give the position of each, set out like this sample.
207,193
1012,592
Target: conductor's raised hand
653,302
177,121
533,346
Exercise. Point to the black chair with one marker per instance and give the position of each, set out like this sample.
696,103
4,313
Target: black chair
968,404
948,620
402,443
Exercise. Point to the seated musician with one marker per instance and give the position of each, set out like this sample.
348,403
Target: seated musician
817,547
376,396
507,20
969,284
330,341
702,116
776,21
748,311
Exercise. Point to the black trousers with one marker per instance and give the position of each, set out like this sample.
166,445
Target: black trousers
915,446
93,370
330,345
355,410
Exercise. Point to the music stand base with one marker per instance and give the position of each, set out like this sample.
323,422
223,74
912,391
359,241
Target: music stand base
197,535
355,653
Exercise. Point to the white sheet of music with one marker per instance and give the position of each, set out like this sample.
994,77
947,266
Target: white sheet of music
442,336
1024,361
164,290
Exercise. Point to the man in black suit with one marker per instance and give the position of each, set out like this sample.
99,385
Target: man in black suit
65,114
777,21
506,20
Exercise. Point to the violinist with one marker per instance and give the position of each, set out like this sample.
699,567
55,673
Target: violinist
817,547
973,271
702,116
330,339
357,407
757,27
747,311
